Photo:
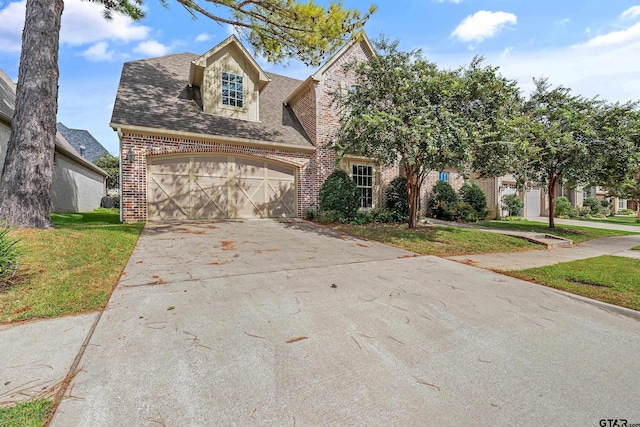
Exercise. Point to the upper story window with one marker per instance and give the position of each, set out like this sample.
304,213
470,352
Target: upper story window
232,90
443,176
363,177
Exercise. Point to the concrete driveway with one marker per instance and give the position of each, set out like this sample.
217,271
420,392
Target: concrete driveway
288,324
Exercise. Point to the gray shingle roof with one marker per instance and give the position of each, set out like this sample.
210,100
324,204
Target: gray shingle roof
79,138
155,93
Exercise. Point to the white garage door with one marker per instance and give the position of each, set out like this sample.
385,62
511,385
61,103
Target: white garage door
533,203
219,186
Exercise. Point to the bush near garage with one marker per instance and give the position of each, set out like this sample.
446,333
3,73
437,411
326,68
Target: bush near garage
472,194
512,204
443,201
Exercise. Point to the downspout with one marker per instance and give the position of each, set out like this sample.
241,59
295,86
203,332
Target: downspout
119,131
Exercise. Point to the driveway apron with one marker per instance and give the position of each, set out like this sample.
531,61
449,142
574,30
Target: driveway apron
287,323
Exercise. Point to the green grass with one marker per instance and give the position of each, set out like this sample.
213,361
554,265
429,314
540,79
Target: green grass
71,268
439,240
622,220
636,248
575,233
605,278
33,413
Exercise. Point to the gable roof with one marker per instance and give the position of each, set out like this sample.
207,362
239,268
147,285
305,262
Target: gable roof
198,65
83,142
361,37
155,93
7,108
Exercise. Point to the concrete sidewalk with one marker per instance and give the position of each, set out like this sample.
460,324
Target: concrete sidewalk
618,246
507,261
590,224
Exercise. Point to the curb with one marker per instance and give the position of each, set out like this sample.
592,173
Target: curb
602,305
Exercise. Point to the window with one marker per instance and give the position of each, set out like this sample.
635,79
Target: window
443,176
363,177
622,204
232,90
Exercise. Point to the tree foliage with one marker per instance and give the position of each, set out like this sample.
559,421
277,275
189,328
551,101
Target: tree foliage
111,165
407,109
561,138
276,29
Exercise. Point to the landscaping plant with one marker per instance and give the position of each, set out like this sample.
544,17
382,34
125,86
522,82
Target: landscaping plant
513,204
443,201
472,194
397,198
563,207
339,194
9,253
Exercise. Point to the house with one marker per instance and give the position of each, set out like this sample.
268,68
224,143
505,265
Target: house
83,142
215,136
77,184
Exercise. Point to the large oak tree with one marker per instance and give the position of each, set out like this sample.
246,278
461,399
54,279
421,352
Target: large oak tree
276,29
405,109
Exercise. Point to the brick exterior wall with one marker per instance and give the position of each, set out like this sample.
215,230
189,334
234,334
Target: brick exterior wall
133,197
304,107
456,181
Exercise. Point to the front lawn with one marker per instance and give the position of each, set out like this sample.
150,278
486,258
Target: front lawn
577,234
605,278
622,220
71,268
439,240
33,413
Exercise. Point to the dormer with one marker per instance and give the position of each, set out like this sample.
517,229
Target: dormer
230,81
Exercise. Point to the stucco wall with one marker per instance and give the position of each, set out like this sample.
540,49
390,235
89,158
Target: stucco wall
74,188
5,132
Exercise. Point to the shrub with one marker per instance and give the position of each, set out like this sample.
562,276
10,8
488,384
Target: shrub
575,213
442,201
9,254
397,197
563,207
627,212
593,204
472,194
463,211
513,204
339,193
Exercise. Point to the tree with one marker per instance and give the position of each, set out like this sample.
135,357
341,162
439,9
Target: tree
405,109
111,165
564,138
277,29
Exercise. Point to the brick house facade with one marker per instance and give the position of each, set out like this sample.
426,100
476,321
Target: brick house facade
214,136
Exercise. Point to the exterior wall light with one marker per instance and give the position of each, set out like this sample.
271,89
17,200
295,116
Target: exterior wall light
130,155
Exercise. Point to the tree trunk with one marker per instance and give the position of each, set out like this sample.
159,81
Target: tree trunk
25,184
551,190
413,194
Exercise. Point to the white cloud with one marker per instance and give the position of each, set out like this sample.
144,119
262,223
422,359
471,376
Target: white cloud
82,23
203,37
152,48
631,13
616,37
99,52
562,22
449,1
482,25
12,18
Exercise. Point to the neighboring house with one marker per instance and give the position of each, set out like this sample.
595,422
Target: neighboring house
83,142
496,188
215,136
77,185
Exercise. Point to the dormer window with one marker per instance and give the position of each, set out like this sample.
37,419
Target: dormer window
232,90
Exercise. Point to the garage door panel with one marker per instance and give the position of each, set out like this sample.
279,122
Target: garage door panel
281,199
210,198
220,186
170,197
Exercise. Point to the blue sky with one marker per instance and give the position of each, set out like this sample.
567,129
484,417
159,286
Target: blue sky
591,46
